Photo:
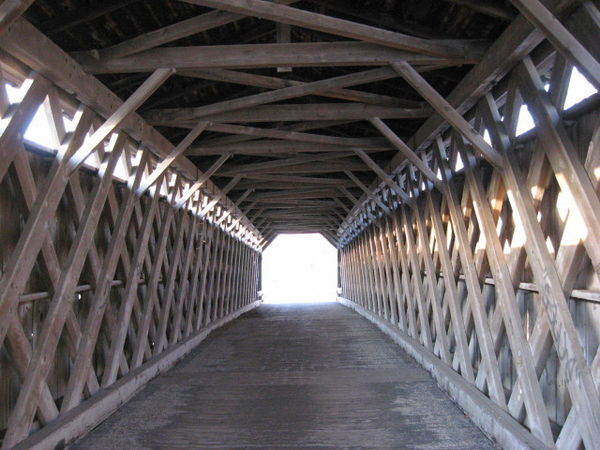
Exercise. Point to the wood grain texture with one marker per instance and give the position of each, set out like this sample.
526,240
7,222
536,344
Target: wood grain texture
314,376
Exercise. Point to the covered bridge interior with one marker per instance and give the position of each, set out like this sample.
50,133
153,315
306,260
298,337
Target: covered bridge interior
151,150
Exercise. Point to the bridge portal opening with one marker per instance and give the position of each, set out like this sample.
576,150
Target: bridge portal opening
299,268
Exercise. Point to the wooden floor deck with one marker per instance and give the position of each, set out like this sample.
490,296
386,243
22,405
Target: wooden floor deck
299,376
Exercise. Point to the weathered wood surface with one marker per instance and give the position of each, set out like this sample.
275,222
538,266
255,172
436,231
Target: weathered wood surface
296,377
95,275
504,243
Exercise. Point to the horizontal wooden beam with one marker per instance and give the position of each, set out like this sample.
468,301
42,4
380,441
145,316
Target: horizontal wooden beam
304,168
262,181
295,195
270,147
302,126
367,76
345,28
251,56
267,82
487,8
295,136
170,33
11,10
187,117
295,163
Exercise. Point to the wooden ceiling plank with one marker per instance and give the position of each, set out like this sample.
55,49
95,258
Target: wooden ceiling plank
170,33
290,181
277,164
293,135
251,56
78,16
11,10
489,9
368,76
345,28
299,112
267,82
302,126
275,148
305,168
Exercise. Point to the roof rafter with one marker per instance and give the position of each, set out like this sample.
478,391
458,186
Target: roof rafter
346,28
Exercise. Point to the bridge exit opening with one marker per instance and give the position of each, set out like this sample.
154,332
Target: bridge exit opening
299,268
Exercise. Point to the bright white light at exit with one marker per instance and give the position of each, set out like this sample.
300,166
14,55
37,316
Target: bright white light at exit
299,268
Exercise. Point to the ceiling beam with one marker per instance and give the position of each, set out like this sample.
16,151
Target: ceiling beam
188,117
487,8
302,126
276,165
367,76
79,16
11,10
261,180
295,195
270,147
251,56
267,82
346,28
295,136
170,33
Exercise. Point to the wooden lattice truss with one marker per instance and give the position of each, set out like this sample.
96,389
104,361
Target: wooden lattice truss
119,254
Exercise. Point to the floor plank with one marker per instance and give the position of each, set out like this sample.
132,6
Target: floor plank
292,376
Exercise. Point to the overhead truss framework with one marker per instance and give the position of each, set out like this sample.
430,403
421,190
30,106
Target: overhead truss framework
180,146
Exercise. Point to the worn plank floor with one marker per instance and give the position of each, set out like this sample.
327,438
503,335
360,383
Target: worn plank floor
299,376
